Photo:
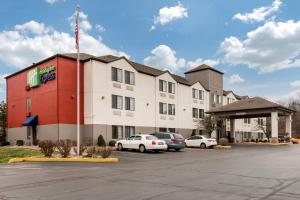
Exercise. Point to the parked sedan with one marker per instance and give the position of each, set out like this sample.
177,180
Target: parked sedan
174,141
200,141
142,143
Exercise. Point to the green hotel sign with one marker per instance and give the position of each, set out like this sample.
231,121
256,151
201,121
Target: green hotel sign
37,76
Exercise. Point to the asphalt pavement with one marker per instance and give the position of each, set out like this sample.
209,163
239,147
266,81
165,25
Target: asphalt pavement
242,173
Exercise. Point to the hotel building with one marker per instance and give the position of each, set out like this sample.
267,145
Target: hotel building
119,98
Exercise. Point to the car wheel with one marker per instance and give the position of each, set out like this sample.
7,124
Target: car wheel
156,151
142,149
120,147
177,149
202,146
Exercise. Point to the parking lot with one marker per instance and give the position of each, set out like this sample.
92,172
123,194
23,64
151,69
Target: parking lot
243,172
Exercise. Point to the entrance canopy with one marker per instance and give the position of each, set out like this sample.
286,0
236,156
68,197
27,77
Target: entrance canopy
31,121
254,108
250,108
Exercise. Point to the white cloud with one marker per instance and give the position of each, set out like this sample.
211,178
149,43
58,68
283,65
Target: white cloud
200,61
272,46
165,58
295,83
259,14
168,14
293,95
235,78
33,41
84,24
51,2
99,28
2,82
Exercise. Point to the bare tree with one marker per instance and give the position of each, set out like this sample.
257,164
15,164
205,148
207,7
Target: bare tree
2,123
211,123
265,127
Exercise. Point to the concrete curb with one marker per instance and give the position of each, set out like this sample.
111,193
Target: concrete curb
222,147
90,160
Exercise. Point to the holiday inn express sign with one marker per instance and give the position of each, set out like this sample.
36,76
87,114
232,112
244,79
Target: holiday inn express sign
37,76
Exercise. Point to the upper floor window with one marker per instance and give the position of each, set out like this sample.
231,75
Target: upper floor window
201,113
247,120
195,113
195,93
218,99
117,102
129,78
260,121
163,86
162,108
171,109
129,103
116,74
201,94
171,87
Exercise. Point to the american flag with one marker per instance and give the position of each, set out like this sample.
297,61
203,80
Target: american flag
77,30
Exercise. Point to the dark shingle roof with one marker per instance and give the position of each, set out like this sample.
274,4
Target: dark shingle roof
203,67
82,56
248,104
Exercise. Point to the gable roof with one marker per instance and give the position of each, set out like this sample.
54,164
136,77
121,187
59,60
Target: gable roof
203,67
248,104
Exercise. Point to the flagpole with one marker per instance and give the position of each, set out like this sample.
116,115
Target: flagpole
78,85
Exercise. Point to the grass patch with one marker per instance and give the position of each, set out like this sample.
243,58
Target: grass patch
6,153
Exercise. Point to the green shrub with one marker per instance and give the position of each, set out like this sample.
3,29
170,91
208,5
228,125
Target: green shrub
252,140
47,147
112,143
223,141
288,139
64,147
4,143
256,140
20,142
101,142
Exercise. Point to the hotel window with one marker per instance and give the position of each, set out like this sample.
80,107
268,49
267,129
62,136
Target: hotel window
247,120
163,108
195,93
201,94
117,102
213,98
218,99
171,87
117,132
195,113
129,131
260,121
28,105
129,78
116,74
201,113
129,103
172,130
162,129
171,108
163,86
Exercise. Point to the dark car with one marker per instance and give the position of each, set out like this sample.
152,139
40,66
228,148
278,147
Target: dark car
174,140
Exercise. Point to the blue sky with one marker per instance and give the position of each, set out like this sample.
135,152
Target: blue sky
256,43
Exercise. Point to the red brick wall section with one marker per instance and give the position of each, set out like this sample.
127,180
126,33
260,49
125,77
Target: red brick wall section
53,102
43,99
67,76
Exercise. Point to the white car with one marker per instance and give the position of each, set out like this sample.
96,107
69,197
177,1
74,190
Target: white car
200,141
142,143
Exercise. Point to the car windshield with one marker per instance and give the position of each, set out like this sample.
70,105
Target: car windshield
177,136
151,137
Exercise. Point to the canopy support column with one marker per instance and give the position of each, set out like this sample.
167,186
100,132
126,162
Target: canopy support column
288,125
274,124
232,129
